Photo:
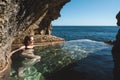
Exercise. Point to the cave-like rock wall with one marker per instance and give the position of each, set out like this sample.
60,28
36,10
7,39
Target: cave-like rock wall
53,12
17,16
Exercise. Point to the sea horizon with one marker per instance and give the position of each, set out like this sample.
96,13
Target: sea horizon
99,33
89,25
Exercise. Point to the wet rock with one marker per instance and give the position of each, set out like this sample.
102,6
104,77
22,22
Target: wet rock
110,42
42,40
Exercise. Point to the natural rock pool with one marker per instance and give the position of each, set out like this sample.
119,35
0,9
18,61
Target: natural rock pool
72,60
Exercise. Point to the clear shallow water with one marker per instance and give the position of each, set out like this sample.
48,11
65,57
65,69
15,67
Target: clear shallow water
91,60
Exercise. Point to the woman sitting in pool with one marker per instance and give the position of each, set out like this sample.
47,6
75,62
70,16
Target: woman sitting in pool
27,52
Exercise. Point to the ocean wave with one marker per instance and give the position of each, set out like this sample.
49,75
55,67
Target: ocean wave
83,47
86,40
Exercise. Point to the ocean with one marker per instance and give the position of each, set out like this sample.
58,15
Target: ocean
97,33
87,44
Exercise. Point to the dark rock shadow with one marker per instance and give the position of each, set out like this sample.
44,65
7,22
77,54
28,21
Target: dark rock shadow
116,52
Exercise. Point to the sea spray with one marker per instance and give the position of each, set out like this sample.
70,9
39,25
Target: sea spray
83,47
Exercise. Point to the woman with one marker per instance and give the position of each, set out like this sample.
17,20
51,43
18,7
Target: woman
27,52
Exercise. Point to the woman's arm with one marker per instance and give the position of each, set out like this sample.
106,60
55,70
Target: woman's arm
21,48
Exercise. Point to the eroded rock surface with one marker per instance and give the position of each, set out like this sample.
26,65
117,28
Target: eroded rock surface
17,16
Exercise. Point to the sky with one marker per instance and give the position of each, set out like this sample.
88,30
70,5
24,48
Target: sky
89,13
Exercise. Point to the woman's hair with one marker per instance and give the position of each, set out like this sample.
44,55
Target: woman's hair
26,40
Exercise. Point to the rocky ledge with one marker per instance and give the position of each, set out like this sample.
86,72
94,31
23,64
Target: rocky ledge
110,42
42,40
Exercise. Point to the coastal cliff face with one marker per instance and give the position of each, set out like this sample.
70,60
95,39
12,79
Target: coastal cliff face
29,16
116,52
118,19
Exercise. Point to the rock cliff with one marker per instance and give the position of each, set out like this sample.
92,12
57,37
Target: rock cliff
29,16
116,52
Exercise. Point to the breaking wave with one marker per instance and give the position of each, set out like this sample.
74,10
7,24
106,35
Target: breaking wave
83,47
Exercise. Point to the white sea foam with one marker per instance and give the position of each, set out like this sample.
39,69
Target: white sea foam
81,48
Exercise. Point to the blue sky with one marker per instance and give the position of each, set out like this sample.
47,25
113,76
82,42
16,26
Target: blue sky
89,13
